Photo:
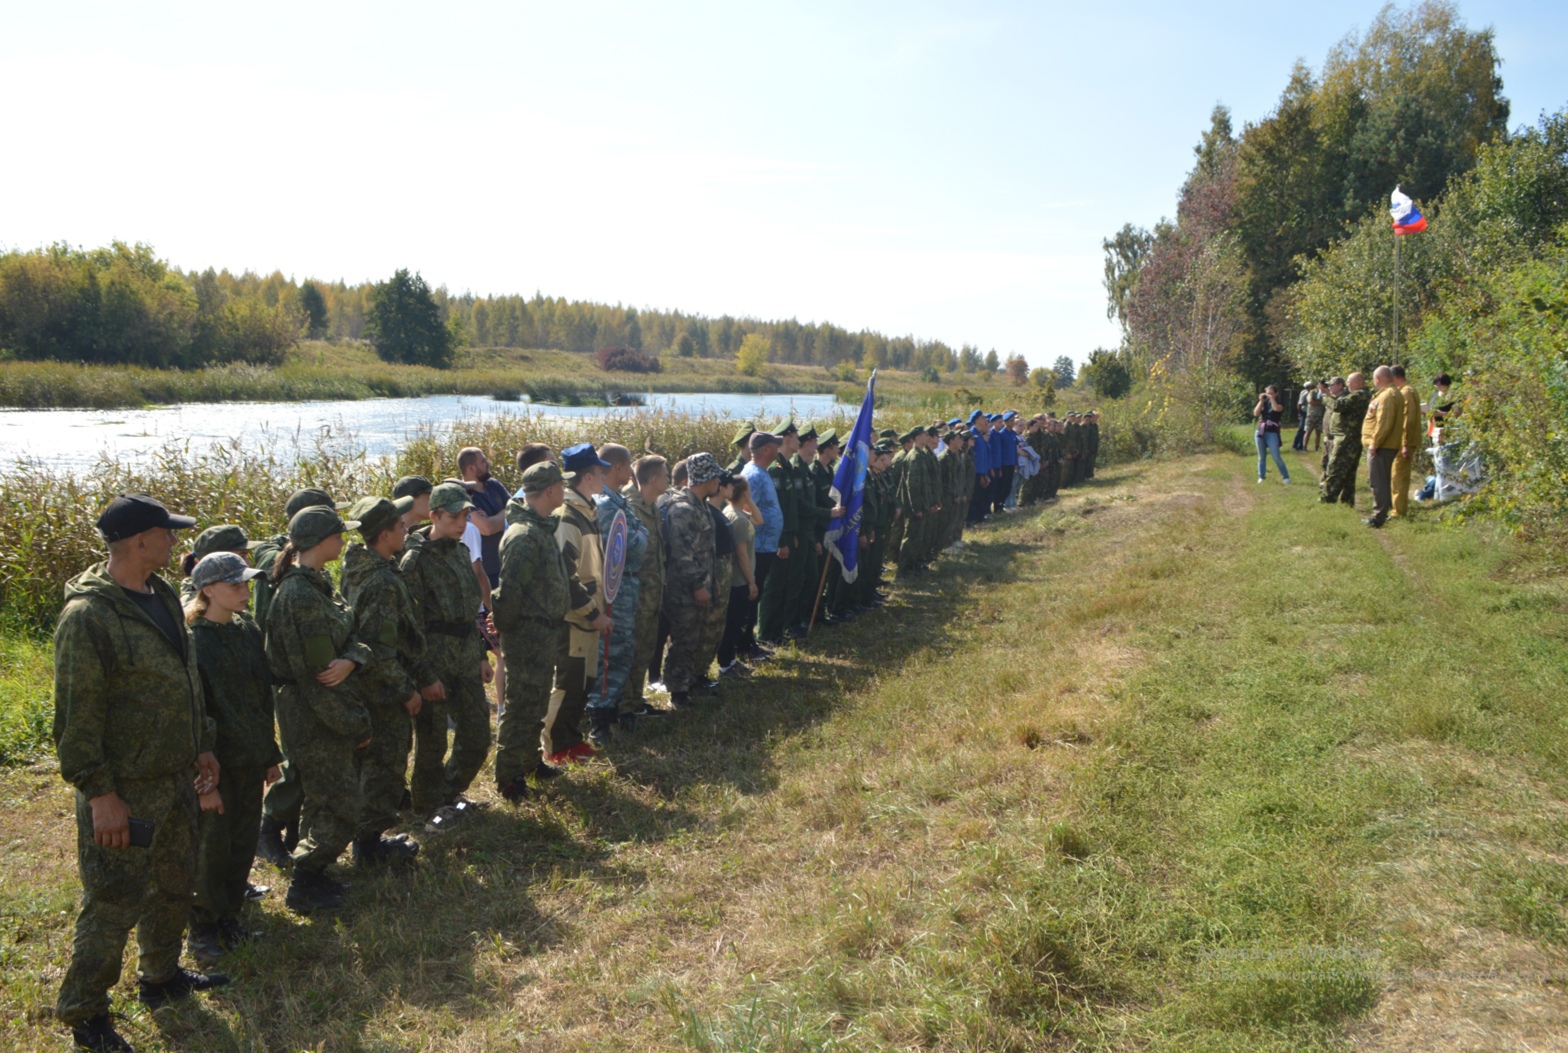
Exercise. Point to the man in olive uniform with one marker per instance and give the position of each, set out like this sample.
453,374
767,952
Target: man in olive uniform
439,574
881,524
806,571
920,497
905,444
688,583
773,607
132,737
529,607
1415,431
385,622
577,534
1346,412
822,470
742,446
280,811
650,479
1091,451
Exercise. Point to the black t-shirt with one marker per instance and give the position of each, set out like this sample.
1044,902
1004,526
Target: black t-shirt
1269,419
491,501
152,605
723,540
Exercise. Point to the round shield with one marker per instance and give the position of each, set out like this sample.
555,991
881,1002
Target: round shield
614,556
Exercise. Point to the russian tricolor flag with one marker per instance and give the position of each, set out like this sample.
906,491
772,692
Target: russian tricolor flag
1407,218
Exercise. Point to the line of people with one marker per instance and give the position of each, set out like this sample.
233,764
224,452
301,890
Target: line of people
1384,422
266,709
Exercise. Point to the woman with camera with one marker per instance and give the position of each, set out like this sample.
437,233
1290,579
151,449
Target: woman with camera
1268,411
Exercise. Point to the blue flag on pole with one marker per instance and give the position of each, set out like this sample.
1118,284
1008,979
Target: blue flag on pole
849,488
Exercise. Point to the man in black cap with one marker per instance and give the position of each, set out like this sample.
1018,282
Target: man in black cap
132,736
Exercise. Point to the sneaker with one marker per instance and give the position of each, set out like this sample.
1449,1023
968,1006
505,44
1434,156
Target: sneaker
516,791
269,846
256,893
769,643
463,805
446,818
182,984
757,654
657,687
98,1034
560,760
581,753
311,891
1285,481
646,710
599,734
204,940
546,771
733,671
1260,479
374,851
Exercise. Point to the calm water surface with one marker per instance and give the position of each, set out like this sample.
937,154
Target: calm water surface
74,439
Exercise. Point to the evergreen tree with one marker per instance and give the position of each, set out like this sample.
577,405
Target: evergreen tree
315,307
1065,372
404,324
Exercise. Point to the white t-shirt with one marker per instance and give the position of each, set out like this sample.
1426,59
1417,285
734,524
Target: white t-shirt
472,542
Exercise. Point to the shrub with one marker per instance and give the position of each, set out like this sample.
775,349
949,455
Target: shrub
627,360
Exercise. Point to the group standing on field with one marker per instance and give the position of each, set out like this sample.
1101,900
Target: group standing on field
1386,424
270,709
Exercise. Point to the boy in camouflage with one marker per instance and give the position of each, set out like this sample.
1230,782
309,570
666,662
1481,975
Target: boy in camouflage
650,479
440,578
688,590
313,654
577,535
385,622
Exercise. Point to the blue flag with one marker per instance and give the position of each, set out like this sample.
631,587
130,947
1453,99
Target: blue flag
849,488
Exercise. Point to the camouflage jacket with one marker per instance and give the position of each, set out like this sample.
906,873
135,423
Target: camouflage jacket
440,579
385,622
237,685
309,626
577,536
652,572
534,583
1346,412
921,485
261,592
690,540
127,700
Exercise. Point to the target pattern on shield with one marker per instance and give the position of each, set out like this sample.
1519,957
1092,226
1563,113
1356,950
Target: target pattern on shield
614,556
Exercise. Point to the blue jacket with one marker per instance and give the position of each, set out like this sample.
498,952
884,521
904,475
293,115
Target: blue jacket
1009,441
982,452
996,446
766,499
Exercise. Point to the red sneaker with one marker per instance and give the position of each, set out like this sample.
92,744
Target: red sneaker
583,751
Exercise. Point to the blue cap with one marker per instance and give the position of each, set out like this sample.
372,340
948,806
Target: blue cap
993,417
1009,415
579,458
976,415
955,422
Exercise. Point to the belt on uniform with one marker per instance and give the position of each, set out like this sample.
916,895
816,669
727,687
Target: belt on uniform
458,629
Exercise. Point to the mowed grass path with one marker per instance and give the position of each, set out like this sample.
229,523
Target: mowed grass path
1181,763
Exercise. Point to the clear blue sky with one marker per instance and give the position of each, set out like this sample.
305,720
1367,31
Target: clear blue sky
941,170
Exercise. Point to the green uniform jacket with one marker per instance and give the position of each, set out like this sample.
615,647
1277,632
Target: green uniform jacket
386,622
127,700
441,582
652,573
783,477
237,686
308,627
820,477
896,474
534,583
261,592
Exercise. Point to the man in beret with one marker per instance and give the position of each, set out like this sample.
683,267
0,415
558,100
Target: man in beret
773,605
133,738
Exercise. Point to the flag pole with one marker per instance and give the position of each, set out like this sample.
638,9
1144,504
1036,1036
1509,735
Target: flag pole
1397,240
827,566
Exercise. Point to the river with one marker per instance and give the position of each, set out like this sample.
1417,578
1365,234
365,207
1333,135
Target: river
74,439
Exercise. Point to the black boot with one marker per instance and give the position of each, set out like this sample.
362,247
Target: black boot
181,985
373,851
600,730
98,1034
270,846
516,791
311,891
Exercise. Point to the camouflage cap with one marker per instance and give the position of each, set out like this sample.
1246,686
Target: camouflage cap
700,467
451,498
375,514
1337,380
743,435
540,477
314,524
784,426
225,537
310,497
221,567
412,486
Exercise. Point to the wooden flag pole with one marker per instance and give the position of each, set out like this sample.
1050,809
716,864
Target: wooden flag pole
828,561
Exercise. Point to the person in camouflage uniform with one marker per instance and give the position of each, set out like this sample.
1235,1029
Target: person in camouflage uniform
313,654
386,623
237,686
1091,443
280,810
608,703
225,537
895,485
439,574
773,606
688,582
132,738
922,498
578,537
529,608
1344,414
723,570
650,479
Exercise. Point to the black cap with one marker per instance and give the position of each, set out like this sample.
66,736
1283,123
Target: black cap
131,514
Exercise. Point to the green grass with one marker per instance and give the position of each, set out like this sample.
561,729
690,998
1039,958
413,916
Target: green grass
1181,763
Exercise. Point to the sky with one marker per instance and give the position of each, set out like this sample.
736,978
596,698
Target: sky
941,170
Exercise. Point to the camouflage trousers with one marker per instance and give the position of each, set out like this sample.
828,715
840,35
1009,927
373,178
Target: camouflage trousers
383,766
684,662
895,537
284,797
438,779
609,691
146,889
226,845
650,598
324,763
916,546
532,653
1339,472
718,613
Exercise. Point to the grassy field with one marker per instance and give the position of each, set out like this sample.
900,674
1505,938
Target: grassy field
1181,763
317,370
